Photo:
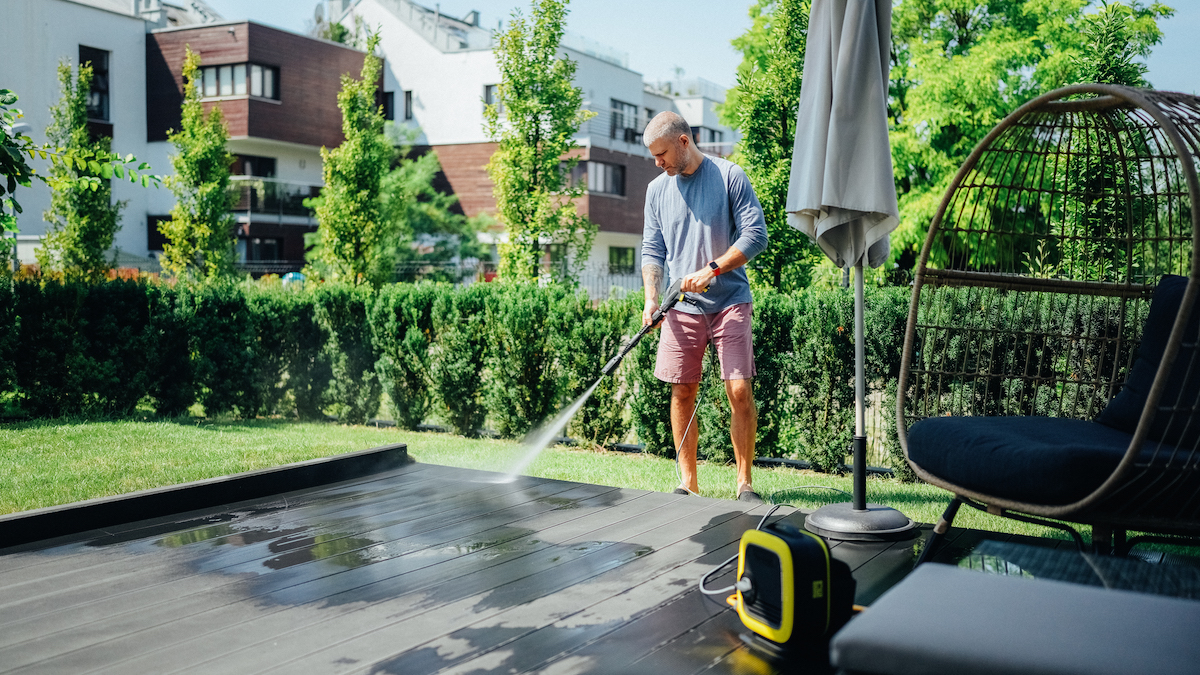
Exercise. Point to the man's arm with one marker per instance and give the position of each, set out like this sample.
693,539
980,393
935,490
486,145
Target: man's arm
652,276
654,258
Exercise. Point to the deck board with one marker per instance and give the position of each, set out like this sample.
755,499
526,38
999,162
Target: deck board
417,569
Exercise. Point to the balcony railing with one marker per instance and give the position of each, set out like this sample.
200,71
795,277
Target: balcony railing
257,195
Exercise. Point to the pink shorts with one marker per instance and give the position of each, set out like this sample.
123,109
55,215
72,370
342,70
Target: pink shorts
685,336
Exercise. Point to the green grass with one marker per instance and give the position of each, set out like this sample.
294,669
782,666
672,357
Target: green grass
55,462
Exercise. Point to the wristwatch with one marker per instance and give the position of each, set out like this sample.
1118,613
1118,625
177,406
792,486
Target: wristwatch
715,268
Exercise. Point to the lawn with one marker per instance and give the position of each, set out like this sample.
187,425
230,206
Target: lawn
53,462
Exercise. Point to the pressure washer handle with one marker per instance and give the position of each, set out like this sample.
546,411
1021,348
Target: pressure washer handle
670,299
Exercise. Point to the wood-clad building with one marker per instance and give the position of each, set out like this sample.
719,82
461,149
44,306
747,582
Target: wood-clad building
277,92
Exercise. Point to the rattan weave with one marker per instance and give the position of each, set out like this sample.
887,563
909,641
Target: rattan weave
1035,279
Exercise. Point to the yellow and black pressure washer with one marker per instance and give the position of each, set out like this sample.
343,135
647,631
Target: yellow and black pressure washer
790,592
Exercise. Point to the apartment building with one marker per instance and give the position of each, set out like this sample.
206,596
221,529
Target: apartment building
276,90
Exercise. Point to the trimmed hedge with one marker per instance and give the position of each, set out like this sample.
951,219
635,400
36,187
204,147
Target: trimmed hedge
505,356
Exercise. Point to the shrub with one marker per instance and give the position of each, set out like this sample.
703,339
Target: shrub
49,369
650,406
292,371
714,416
775,360
172,386
10,323
596,335
402,330
223,344
823,341
458,356
525,377
341,312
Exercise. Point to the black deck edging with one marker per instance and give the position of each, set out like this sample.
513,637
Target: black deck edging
804,464
66,519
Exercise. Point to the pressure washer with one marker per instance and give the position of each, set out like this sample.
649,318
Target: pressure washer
790,593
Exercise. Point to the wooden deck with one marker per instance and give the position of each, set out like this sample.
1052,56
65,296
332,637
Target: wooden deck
420,569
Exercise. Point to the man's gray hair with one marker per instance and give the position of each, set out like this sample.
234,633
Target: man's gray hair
666,125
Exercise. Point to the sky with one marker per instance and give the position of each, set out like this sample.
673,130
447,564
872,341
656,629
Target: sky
662,36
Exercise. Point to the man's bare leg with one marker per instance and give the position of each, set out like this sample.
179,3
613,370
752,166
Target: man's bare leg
683,402
744,427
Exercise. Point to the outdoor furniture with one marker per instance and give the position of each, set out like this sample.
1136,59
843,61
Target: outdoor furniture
1063,243
943,619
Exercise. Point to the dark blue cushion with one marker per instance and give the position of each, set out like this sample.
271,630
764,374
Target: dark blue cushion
1182,388
1042,460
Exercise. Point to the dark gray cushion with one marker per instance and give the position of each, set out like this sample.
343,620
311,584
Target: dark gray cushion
1043,460
1183,387
943,619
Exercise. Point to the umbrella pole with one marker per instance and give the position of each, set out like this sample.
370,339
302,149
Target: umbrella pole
860,394
858,520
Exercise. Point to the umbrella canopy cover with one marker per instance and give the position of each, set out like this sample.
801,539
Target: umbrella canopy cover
841,192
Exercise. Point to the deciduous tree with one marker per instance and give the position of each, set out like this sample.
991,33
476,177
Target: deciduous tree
537,113
352,240
83,217
958,67
15,170
763,107
200,235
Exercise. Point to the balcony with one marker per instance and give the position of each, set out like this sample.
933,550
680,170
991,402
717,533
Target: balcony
282,200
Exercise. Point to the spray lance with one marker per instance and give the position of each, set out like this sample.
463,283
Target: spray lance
673,296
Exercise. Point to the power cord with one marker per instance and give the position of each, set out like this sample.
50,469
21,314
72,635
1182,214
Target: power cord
742,585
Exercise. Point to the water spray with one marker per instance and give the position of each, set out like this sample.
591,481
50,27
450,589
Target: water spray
540,438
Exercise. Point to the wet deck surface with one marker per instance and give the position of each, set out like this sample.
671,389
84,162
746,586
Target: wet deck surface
423,569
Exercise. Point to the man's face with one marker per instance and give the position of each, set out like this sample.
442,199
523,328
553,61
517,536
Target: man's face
670,155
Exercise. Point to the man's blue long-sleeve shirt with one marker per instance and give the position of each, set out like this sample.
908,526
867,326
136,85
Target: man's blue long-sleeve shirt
691,220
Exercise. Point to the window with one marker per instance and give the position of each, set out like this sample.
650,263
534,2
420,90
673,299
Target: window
620,260
606,178
491,96
97,99
250,165
259,249
389,105
408,104
238,79
624,122
706,135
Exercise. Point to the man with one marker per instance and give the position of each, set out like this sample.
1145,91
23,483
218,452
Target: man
703,223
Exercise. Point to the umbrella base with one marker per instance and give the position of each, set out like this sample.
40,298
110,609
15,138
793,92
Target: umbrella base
875,523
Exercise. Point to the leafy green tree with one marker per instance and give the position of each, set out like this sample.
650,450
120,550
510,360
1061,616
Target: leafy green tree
200,235
1113,38
352,240
83,217
537,113
959,67
427,232
92,168
764,108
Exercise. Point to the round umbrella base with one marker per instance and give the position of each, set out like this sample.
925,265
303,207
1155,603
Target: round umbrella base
875,523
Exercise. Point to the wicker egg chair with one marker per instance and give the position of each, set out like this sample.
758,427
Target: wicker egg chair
1050,368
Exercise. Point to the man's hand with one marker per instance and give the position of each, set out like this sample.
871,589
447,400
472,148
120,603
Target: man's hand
648,312
698,281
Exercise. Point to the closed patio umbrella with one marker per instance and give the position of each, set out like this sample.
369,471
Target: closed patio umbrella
841,194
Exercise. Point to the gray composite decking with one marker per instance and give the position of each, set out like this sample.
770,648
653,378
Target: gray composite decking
418,569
